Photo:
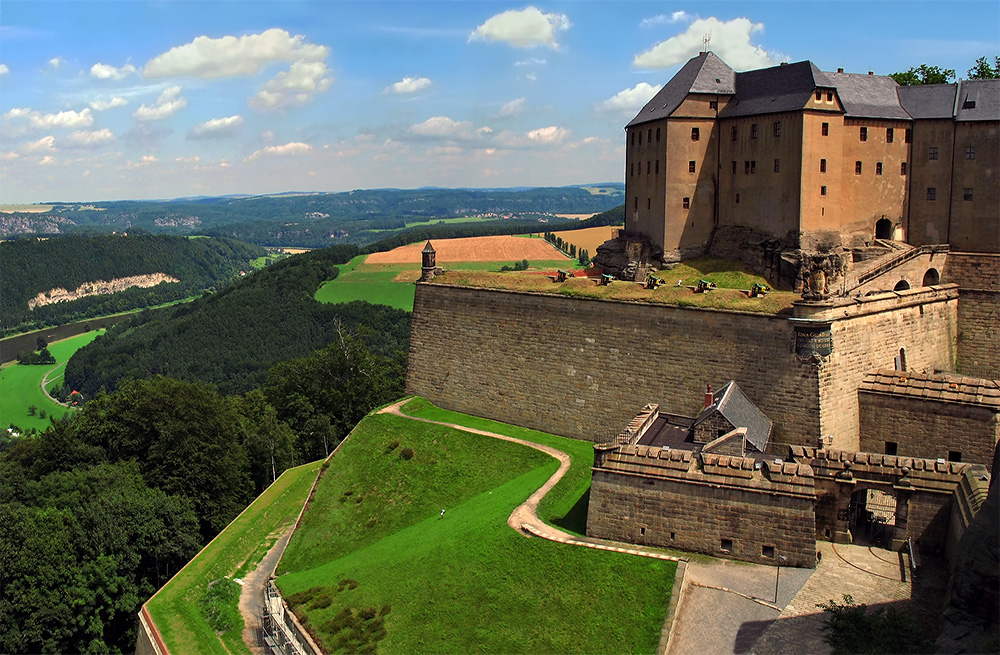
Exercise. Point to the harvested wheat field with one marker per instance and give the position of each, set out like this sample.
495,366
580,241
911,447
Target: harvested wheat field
472,249
588,238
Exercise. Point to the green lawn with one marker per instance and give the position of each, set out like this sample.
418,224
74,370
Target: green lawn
175,608
20,386
374,563
375,283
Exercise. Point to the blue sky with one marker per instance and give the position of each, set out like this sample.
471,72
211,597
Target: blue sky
112,100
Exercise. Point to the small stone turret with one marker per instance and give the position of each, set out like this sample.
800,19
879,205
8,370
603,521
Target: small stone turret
428,262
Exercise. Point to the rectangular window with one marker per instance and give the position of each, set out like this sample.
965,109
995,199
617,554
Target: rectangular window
649,203
767,551
635,205
695,133
640,137
713,104
753,130
649,135
691,166
753,167
649,167
733,133
727,545
632,139
932,153
777,128
878,168
826,129
737,198
864,133
822,165
908,135
857,168
657,166
829,96
822,191
931,193
902,168
954,456
777,165
734,167
746,166
890,134
970,152
819,96
687,203
657,135
631,169
967,194
891,447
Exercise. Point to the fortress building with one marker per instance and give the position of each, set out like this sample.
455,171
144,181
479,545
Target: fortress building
788,167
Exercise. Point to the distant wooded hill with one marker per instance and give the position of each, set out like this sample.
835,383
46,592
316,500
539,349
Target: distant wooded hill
231,339
32,267
314,219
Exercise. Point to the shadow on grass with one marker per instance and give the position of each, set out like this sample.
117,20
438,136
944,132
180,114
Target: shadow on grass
575,519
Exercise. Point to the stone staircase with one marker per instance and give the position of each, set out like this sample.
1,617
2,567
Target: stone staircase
897,254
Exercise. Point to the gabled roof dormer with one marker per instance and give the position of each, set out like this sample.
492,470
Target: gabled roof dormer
705,73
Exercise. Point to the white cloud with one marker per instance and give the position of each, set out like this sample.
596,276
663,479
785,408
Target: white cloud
3,69
149,159
293,88
530,61
45,144
513,108
217,128
63,119
56,62
444,127
532,77
730,40
527,28
551,134
231,56
48,160
294,148
108,72
102,105
632,99
408,85
7,155
666,19
88,138
267,136
169,103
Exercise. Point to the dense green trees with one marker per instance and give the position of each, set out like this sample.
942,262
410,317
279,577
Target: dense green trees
982,70
32,267
924,74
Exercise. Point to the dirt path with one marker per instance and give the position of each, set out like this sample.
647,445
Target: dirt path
45,384
252,594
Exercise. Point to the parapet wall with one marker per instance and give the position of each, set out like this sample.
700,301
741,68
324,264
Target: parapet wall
583,367
978,276
714,504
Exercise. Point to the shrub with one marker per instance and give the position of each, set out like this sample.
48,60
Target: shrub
853,628
407,453
392,446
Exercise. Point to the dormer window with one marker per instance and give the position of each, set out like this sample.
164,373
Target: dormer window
969,104
713,104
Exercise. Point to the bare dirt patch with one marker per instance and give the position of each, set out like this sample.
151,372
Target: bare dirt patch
407,276
471,249
578,217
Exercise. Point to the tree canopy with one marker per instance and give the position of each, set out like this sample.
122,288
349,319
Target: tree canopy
924,74
982,70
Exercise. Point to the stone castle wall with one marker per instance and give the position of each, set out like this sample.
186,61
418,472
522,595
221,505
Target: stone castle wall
713,504
978,275
582,368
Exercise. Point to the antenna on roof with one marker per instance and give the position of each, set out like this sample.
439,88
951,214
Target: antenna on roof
706,41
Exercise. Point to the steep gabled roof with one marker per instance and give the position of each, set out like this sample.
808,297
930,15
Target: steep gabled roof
732,403
705,73
867,96
928,100
978,100
779,88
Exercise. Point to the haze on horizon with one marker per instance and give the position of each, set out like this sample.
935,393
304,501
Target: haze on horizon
106,101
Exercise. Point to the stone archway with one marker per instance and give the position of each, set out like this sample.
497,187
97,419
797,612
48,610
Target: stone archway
883,228
872,517
902,285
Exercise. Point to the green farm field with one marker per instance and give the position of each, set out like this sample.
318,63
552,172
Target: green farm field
374,564
393,284
20,386
175,609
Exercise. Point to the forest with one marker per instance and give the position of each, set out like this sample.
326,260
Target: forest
34,266
313,219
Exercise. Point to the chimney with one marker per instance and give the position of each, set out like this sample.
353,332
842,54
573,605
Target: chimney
784,63
870,73
840,70
709,396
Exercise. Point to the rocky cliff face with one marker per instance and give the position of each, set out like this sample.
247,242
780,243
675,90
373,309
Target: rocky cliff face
99,287
29,223
972,617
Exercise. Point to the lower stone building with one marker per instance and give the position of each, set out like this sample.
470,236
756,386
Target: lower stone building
931,415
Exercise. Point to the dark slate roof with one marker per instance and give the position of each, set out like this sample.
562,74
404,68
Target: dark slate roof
867,96
705,73
928,100
769,90
986,96
944,387
428,247
732,403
